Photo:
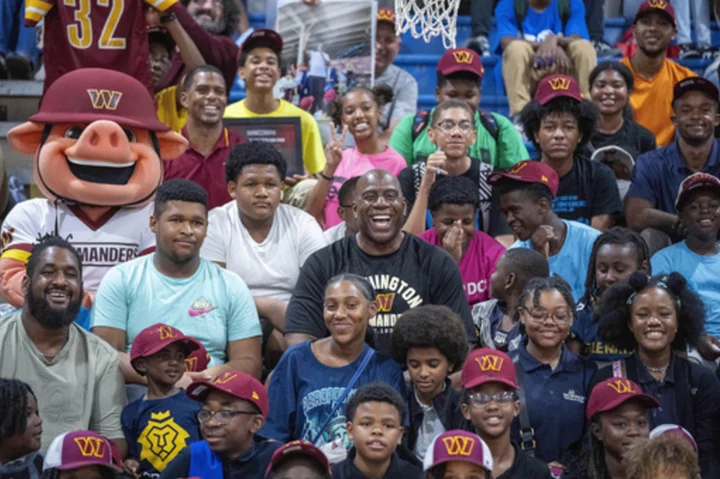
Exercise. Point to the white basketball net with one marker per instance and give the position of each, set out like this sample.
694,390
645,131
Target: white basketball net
428,18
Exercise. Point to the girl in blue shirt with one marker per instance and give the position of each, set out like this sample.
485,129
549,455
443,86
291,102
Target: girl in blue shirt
307,388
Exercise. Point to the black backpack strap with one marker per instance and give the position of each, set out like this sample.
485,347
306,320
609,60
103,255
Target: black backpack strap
527,433
489,122
420,122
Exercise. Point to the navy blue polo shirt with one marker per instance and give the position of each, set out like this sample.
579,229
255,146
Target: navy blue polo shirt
657,175
662,391
556,401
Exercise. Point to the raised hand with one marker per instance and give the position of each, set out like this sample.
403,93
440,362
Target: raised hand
540,239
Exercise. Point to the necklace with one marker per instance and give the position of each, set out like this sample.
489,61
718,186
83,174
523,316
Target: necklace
657,370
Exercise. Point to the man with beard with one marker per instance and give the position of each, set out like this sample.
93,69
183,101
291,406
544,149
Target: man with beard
655,75
75,375
658,174
204,96
404,270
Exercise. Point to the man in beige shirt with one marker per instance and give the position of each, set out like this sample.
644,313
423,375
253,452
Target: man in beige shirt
75,375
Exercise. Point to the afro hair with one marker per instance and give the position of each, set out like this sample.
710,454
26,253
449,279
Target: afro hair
585,112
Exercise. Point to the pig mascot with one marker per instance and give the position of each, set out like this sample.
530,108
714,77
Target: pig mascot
98,149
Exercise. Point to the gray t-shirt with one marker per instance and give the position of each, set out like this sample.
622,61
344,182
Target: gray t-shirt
430,427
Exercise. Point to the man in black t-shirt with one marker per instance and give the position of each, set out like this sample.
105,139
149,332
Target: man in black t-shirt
559,123
404,270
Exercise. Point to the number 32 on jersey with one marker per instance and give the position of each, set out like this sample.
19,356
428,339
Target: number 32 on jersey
81,35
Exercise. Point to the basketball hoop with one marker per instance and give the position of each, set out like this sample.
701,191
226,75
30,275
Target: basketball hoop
428,18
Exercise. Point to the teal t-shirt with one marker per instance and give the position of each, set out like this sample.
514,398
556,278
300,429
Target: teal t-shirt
508,150
213,305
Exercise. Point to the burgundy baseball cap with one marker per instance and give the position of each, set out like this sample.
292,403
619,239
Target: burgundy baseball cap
458,445
235,383
486,365
295,449
555,86
86,95
263,37
156,337
660,6
77,449
693,182
460,60
386,14
198,360
530,171
696,84
613,392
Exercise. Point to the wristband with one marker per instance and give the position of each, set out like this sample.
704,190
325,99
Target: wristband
329,178
170,17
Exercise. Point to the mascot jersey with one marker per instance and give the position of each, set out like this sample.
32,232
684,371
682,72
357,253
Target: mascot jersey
94,33
118,237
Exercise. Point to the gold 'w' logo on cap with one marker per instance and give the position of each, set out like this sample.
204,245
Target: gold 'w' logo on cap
622,386
463,57
661,4
490,363
224,378
105,99
559,83
386,14
91,446
459,445
166,332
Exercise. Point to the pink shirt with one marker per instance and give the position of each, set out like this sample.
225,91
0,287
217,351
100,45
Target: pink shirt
354,163
476,266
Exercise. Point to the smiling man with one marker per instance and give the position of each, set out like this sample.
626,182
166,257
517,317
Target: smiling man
204,96
75,375
404,270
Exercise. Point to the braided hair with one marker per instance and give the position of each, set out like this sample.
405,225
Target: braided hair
589,462
13,407
614,236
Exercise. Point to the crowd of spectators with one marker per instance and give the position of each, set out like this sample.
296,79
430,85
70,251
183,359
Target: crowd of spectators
423,299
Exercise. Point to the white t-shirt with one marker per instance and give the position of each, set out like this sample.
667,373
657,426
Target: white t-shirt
270,268
336,233
317,63
116,238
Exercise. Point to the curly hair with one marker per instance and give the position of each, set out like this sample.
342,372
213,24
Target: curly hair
615,310
13,407
253,153
49,241
375,392
231,16
179,189
430,326
535,286
585,111
589,462
453,190
380,94
614,236
663,454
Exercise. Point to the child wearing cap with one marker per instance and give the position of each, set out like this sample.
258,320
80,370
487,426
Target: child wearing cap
697,257
459,75
490,403
497,319
298,459
431,342
375,416
526,193
163,422
81,455
20,431
618,421
458,454
234,409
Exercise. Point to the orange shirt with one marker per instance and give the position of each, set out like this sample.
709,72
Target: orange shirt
652,99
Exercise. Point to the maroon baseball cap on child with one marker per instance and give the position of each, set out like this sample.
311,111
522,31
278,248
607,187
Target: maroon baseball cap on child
530,171
156,337
76,449
613,392
235,383
458,445
486,365
693,182
198,360
660,6
263,37
555,86
460,60
298,448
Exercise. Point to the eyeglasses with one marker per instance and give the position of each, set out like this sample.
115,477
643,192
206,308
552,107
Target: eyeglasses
448,125
559,316
221,417
483,400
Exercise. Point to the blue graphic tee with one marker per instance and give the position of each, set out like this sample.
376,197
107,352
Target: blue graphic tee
303,392
157,430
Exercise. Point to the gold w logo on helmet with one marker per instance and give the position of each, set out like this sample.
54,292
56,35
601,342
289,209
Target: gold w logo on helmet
622,386
224,378
104,99
166,332
559,83
661,4
463,57
459,445
91,446
490,363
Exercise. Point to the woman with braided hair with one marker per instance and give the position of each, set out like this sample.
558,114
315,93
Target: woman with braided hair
20,431
659,317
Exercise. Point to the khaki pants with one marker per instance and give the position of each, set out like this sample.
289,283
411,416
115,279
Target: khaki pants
521,78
